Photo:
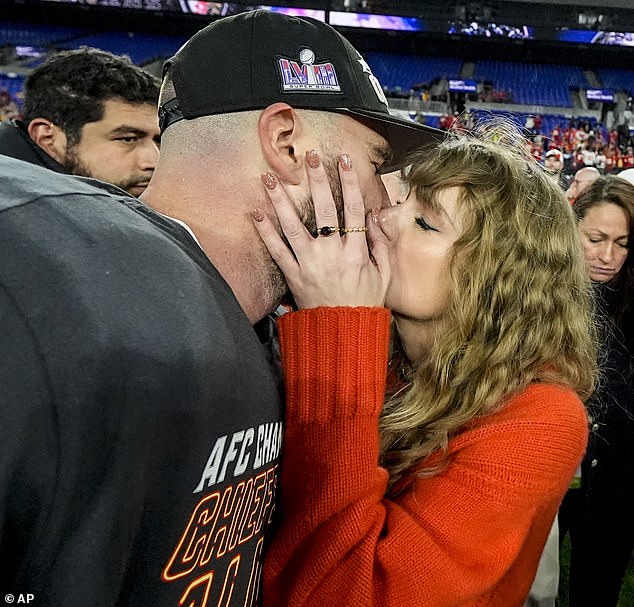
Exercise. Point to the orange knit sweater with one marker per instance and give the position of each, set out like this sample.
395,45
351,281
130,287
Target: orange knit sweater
469,536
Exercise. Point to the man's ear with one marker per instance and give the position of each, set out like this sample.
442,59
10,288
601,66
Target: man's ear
279,129
49,137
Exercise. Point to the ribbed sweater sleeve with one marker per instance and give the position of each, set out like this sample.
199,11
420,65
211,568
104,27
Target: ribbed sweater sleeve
336,357
470,536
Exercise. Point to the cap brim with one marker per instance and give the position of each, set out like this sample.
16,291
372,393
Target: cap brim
404,136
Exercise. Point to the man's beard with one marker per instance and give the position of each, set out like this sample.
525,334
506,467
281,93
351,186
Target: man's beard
74,166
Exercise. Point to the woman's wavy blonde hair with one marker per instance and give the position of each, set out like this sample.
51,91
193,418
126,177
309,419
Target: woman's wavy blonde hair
521,307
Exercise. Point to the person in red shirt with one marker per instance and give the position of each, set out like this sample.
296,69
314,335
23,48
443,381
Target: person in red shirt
537,120
429,470
557,135
611,158
537,152
445,122
578,157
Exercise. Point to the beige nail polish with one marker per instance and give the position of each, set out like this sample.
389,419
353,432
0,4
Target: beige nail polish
312,159
269,180
346,162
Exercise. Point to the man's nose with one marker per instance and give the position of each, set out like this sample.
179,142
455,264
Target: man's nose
148,155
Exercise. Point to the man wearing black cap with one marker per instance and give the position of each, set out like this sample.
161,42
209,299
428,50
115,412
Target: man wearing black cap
244,94
140,421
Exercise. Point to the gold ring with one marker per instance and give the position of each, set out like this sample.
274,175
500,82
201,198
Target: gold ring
346,230
327,230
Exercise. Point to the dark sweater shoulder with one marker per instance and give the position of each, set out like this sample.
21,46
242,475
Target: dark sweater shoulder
23,182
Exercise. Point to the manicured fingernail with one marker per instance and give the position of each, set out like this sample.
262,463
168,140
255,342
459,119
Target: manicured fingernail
312,158
345,162
258,215
269,180
375,215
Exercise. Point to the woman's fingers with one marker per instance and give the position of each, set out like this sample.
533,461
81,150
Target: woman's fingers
290,223
323,202
278,249
335,267
378,245
347,195
354,208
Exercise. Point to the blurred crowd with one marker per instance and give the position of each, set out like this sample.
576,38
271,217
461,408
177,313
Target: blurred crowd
9,107
581,142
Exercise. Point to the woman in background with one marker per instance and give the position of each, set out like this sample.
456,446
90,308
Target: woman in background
599,513
433,484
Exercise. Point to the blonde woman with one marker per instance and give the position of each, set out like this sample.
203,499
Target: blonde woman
433,482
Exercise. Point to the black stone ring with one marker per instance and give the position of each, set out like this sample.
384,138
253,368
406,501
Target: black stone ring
327,230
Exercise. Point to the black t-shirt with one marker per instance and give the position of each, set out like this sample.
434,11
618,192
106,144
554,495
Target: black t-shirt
140,420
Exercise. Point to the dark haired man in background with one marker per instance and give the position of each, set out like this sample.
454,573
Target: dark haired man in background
91,113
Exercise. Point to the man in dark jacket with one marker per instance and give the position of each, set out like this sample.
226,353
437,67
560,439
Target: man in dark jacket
91,113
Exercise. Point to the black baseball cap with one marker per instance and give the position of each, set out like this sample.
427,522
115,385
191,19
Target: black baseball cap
253,59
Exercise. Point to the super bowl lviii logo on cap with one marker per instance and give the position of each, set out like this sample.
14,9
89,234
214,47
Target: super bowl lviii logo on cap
308,76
